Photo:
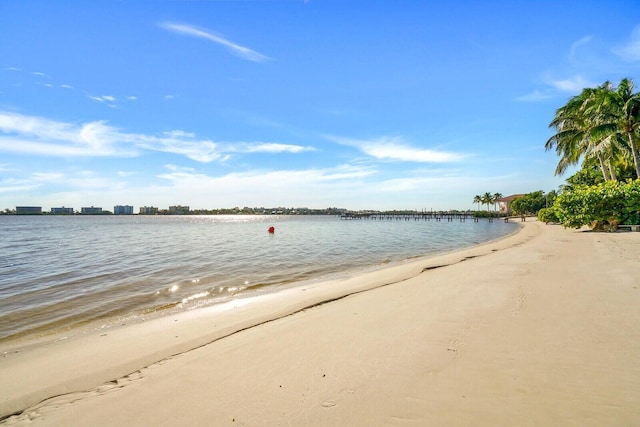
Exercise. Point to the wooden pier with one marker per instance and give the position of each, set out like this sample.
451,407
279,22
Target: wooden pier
448,216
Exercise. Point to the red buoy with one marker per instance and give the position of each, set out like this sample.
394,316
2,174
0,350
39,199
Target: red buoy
272,230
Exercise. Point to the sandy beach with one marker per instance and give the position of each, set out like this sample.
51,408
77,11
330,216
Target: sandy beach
540,328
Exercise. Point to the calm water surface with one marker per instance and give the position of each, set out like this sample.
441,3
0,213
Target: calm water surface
57,272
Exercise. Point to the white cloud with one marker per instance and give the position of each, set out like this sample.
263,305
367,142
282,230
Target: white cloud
573,84
66,86
630,51
272,147
107,99
576,46
262,179
35,135
175,168
265,187
241,51
393,148
40,136
534,96
13,185
47,176
199,150
179,134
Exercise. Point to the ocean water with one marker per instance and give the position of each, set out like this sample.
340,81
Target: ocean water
59,272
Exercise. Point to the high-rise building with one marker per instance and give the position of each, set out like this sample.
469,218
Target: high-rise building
28,210
91,211
62,211
123,210
148,210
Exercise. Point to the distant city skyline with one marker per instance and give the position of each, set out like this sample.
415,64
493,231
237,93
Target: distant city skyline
317,103
172,210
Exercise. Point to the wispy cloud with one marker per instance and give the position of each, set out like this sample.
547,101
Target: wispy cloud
13,185
241,51
79,180
588,60
106,99
204,151
4,167
48,176
572,84
269,178
271,147
630,51
186,143
577,46
393,148
267,187
534,96
40,136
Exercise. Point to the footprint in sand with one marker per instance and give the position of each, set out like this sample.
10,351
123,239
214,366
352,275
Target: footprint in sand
328,403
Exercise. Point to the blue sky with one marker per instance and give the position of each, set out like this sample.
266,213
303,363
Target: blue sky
316,103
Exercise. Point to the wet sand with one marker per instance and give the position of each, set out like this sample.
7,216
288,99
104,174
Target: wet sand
539,328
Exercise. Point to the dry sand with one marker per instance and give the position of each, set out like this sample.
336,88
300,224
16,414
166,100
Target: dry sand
541,328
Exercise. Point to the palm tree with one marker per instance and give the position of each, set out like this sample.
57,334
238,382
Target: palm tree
477,199
620,109
601,123
496,199
579,133
487,199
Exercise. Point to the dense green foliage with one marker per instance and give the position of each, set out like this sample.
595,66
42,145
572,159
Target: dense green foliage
531,203
602,206
548,215
599,128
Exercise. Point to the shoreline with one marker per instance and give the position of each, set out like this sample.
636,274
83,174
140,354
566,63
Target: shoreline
95,342
48,333
444,339
136,286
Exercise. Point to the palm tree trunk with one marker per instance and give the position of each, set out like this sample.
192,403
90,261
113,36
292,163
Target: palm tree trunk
603,168
634,152
612,171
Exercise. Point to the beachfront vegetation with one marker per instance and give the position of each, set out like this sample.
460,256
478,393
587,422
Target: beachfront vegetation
603,206
600,130
530,204
548,215
601,124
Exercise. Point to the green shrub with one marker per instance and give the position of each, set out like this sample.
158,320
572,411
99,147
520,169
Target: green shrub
529,203
548,215
602,206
